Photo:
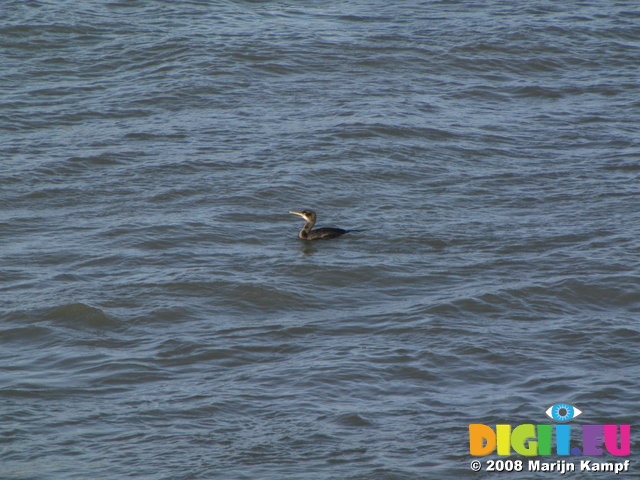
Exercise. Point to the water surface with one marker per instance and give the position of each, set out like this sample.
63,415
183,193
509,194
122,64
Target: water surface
160,319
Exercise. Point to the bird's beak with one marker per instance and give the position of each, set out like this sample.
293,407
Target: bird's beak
297,213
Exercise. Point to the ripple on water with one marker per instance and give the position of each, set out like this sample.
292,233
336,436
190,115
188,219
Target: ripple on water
80,316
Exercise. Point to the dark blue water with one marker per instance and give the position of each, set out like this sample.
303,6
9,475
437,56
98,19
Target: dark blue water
159,318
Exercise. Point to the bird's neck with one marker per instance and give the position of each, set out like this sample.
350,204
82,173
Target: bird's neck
306,229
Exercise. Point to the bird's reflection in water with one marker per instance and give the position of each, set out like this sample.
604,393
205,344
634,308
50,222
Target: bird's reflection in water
308,248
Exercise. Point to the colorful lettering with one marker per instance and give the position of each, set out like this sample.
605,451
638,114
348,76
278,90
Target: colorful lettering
530,440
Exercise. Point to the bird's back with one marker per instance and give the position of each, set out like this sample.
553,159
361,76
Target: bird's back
325,233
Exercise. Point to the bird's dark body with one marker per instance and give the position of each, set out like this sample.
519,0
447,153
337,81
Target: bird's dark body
309,233
322,233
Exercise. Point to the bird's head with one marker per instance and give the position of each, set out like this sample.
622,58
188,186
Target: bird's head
308,215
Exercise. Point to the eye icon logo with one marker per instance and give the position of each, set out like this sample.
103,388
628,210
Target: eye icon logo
562,412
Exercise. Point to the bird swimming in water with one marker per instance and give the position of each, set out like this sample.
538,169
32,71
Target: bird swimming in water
319,233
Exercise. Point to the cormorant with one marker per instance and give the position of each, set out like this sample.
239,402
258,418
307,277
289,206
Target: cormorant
319,233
